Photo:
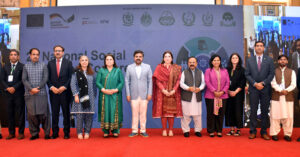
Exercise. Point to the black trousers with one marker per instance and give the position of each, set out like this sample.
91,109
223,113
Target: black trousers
234,111
60,100
263,98
16,112
214,123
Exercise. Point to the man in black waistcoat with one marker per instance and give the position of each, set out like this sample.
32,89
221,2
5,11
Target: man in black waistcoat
192,83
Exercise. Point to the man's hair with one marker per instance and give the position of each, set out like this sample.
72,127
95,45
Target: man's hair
63,49
14,50
138,51
259,42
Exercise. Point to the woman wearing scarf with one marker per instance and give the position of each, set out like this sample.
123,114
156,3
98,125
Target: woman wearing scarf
217,83
166,92
110,82
84,90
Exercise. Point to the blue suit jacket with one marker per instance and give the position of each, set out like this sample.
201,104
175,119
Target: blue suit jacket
138,87
266,73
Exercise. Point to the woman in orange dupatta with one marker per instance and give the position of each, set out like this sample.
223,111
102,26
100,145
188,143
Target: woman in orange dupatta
166,92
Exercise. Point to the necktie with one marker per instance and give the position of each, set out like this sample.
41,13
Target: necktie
57,67
259,63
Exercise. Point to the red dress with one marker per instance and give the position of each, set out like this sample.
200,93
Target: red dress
169,79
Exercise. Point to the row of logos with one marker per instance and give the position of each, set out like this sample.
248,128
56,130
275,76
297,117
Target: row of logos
128,19
188,19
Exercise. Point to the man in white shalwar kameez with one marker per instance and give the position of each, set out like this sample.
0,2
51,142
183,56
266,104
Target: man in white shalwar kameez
282,103
192,83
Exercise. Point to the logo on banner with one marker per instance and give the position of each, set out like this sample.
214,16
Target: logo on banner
227,20
202,48
166,18
146,19
207,19
35,20
58,21
128,19
188,18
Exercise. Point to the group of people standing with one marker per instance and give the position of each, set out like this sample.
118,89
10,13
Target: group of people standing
174,93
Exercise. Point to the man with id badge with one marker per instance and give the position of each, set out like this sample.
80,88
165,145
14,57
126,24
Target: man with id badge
14,92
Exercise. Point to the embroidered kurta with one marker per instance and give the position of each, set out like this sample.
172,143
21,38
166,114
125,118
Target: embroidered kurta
166,78
110,110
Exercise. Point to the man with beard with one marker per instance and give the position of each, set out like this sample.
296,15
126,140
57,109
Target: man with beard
138,83
192,82
282,102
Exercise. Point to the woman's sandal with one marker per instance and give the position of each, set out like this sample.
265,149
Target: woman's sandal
105,135
237,133
116,135
230,133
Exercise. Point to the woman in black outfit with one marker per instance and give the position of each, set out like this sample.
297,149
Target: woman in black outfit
235,103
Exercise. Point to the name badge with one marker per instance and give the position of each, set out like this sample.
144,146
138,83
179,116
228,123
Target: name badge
10,78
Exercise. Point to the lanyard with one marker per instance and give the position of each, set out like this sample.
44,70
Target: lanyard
13,69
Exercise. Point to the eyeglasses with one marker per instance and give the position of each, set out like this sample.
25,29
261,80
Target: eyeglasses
58,51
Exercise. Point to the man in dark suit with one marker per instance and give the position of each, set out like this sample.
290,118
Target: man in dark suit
259,72
60,72
11,80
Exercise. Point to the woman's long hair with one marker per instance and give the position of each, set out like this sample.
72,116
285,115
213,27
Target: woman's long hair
239,64
89,70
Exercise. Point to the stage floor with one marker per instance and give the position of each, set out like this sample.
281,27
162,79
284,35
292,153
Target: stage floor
153,146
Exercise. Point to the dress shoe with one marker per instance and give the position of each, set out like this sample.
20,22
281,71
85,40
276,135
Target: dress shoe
54,136
0,136
21,136
212,135
298,140
144,134
198,134
265,137
287,138
34,137
67,136
186,134
47,137
252,136
10,136
133,134
275,138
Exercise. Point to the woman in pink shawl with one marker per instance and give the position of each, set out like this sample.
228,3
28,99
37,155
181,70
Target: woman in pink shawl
166,92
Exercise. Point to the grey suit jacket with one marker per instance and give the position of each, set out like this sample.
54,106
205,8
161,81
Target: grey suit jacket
265,74
138,87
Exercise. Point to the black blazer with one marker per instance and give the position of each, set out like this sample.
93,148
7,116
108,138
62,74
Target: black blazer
265,75
17,81
64,79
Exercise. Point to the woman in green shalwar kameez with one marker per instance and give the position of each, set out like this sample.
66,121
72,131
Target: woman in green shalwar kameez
110,82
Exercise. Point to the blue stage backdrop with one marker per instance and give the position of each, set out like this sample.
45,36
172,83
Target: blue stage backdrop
186,30
290,27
